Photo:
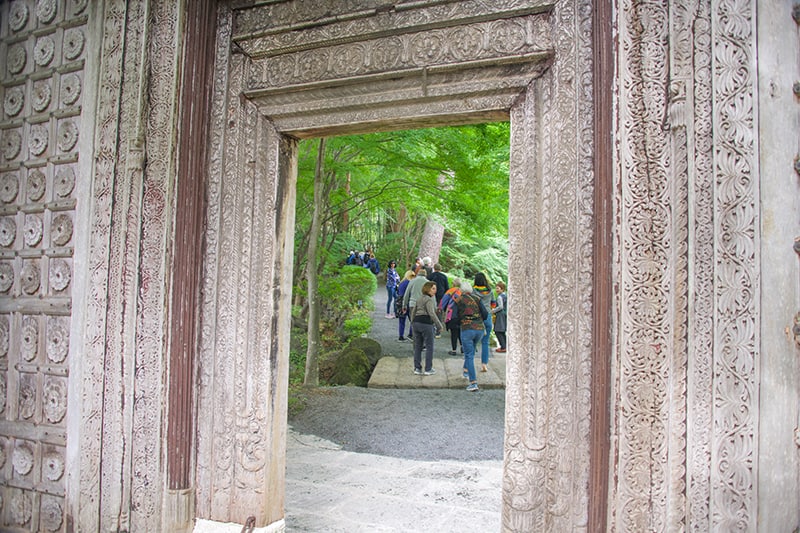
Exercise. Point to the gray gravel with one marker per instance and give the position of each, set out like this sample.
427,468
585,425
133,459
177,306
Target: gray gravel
409,423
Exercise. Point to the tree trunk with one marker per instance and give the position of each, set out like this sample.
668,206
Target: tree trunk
311,378
431,244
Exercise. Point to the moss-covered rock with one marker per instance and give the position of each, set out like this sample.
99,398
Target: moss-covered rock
327,365
371,347
351,368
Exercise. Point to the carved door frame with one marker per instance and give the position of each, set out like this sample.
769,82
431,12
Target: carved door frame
543,83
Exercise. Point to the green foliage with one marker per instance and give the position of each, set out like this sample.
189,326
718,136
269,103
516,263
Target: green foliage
381,187
351,287
465,257
358,324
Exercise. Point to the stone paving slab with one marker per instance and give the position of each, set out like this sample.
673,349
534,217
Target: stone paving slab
398,373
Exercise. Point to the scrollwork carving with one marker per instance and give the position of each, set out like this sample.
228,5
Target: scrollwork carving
418,50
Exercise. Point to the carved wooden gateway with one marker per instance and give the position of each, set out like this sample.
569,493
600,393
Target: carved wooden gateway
147,174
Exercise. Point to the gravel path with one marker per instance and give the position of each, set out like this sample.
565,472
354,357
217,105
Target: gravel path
411,424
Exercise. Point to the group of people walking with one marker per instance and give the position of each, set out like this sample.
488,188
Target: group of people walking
469,311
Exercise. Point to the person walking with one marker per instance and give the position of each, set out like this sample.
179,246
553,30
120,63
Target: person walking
372,264
442,284
484,292
447,308
501,316
413,292
425,323
399,308
392,281
471,313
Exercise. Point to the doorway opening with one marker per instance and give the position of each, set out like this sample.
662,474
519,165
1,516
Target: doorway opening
396,197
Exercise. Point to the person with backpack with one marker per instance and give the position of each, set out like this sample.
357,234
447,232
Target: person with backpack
447,308
372,264
485,293
471,316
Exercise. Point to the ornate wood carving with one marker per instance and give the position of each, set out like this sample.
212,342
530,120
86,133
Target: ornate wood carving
39,136
507,54
689,269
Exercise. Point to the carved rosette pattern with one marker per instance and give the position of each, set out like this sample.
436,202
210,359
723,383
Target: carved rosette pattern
35,377
490,40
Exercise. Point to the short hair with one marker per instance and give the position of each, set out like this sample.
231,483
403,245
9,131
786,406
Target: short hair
428,285
437,267
466,287
426,261
501,285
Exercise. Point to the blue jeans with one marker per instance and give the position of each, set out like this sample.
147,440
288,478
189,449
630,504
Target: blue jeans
423,334
402,324
469,341
487,325
389,300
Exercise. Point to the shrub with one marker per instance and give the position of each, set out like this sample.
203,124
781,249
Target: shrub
359,324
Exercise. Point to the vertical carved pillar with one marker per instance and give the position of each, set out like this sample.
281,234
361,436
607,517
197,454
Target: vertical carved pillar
689,326
736,268
545,485
243,358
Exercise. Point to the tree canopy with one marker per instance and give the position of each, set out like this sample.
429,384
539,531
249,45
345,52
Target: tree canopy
380,189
